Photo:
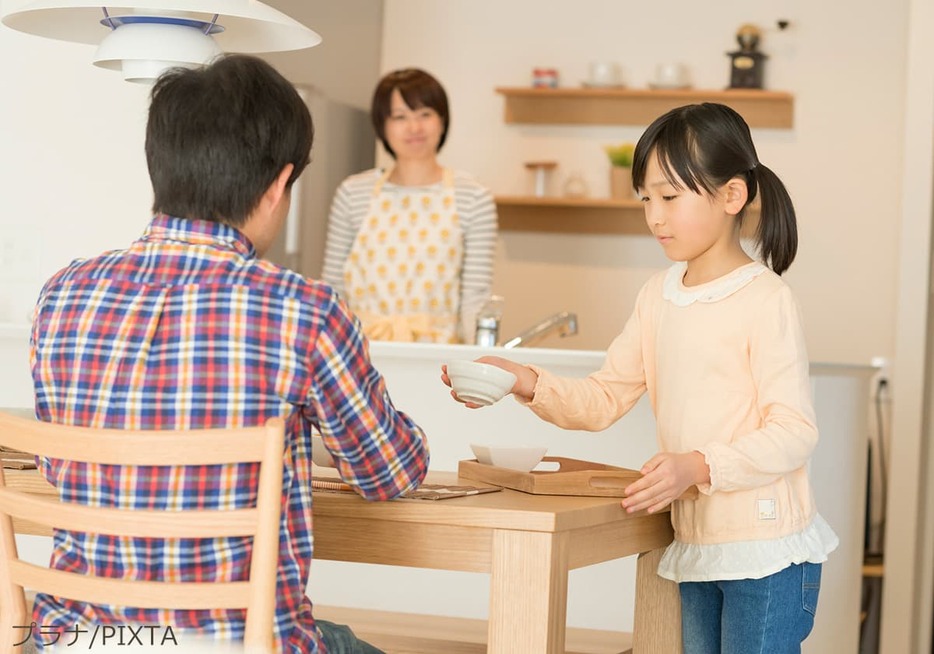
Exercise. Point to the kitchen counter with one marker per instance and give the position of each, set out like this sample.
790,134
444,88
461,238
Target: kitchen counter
599,596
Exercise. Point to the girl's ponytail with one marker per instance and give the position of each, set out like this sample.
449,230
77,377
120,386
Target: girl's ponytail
778,232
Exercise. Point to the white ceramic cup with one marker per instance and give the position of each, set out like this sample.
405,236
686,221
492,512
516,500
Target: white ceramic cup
671,75
604,73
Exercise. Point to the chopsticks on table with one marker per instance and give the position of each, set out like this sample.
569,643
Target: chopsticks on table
330,484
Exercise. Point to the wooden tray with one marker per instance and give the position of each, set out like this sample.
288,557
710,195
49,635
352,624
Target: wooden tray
573,477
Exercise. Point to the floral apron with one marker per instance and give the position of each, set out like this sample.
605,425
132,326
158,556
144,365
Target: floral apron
402,277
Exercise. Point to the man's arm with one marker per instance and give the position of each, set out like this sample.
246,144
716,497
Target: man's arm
376,448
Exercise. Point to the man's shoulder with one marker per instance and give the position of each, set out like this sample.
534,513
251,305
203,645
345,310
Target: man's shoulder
84,268
287,284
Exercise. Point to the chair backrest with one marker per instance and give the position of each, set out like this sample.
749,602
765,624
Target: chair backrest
264,445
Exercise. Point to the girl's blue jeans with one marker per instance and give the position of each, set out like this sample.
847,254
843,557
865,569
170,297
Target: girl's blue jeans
772,615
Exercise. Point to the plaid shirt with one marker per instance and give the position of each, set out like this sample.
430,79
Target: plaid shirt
189,329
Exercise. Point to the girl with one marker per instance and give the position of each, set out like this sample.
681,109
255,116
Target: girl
717,343
411,248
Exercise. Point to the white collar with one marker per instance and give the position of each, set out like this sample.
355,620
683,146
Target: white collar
680,295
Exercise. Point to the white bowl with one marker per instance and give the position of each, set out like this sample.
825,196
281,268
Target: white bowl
479,383
319,453
522,458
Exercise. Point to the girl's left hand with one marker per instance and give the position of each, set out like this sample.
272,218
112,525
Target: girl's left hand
665,477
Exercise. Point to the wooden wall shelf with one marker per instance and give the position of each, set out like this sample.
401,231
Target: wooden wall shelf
591,106
581,215
567,215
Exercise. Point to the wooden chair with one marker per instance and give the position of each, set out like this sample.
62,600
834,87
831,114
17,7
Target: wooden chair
263,444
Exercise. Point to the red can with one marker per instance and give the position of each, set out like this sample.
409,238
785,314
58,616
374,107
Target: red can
545,78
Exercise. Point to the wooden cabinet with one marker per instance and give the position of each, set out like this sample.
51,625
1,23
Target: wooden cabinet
622,106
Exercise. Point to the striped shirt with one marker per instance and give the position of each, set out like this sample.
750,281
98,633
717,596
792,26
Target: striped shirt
477,215
187,328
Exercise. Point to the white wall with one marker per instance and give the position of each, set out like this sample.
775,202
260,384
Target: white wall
345,66
841,161
73,177
907,591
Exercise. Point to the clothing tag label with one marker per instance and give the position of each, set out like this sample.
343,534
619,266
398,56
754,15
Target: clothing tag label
766,509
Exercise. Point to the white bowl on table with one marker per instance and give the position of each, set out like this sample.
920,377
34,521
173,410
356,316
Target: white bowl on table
479,383
522,458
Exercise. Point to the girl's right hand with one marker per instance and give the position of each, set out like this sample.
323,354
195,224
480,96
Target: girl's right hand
526,378
667,476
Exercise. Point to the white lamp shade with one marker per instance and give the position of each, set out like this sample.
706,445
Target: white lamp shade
249,25
142,51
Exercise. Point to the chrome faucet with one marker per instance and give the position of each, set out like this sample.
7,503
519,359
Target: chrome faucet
565,323
487,332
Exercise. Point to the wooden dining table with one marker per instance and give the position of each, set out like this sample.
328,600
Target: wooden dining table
526,543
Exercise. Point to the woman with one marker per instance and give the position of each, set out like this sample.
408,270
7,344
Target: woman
411,248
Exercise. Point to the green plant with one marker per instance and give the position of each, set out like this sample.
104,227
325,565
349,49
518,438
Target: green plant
620,155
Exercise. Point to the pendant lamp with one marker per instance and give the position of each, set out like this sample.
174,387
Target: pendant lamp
142,38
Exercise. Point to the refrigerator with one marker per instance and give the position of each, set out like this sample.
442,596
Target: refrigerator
344,144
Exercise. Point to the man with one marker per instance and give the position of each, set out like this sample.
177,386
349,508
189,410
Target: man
189,328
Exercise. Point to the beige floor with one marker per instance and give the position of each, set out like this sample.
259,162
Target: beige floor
406,633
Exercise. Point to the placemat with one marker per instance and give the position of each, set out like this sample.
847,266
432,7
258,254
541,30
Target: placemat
423,492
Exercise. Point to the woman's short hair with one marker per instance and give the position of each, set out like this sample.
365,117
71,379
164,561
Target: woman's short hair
418,89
